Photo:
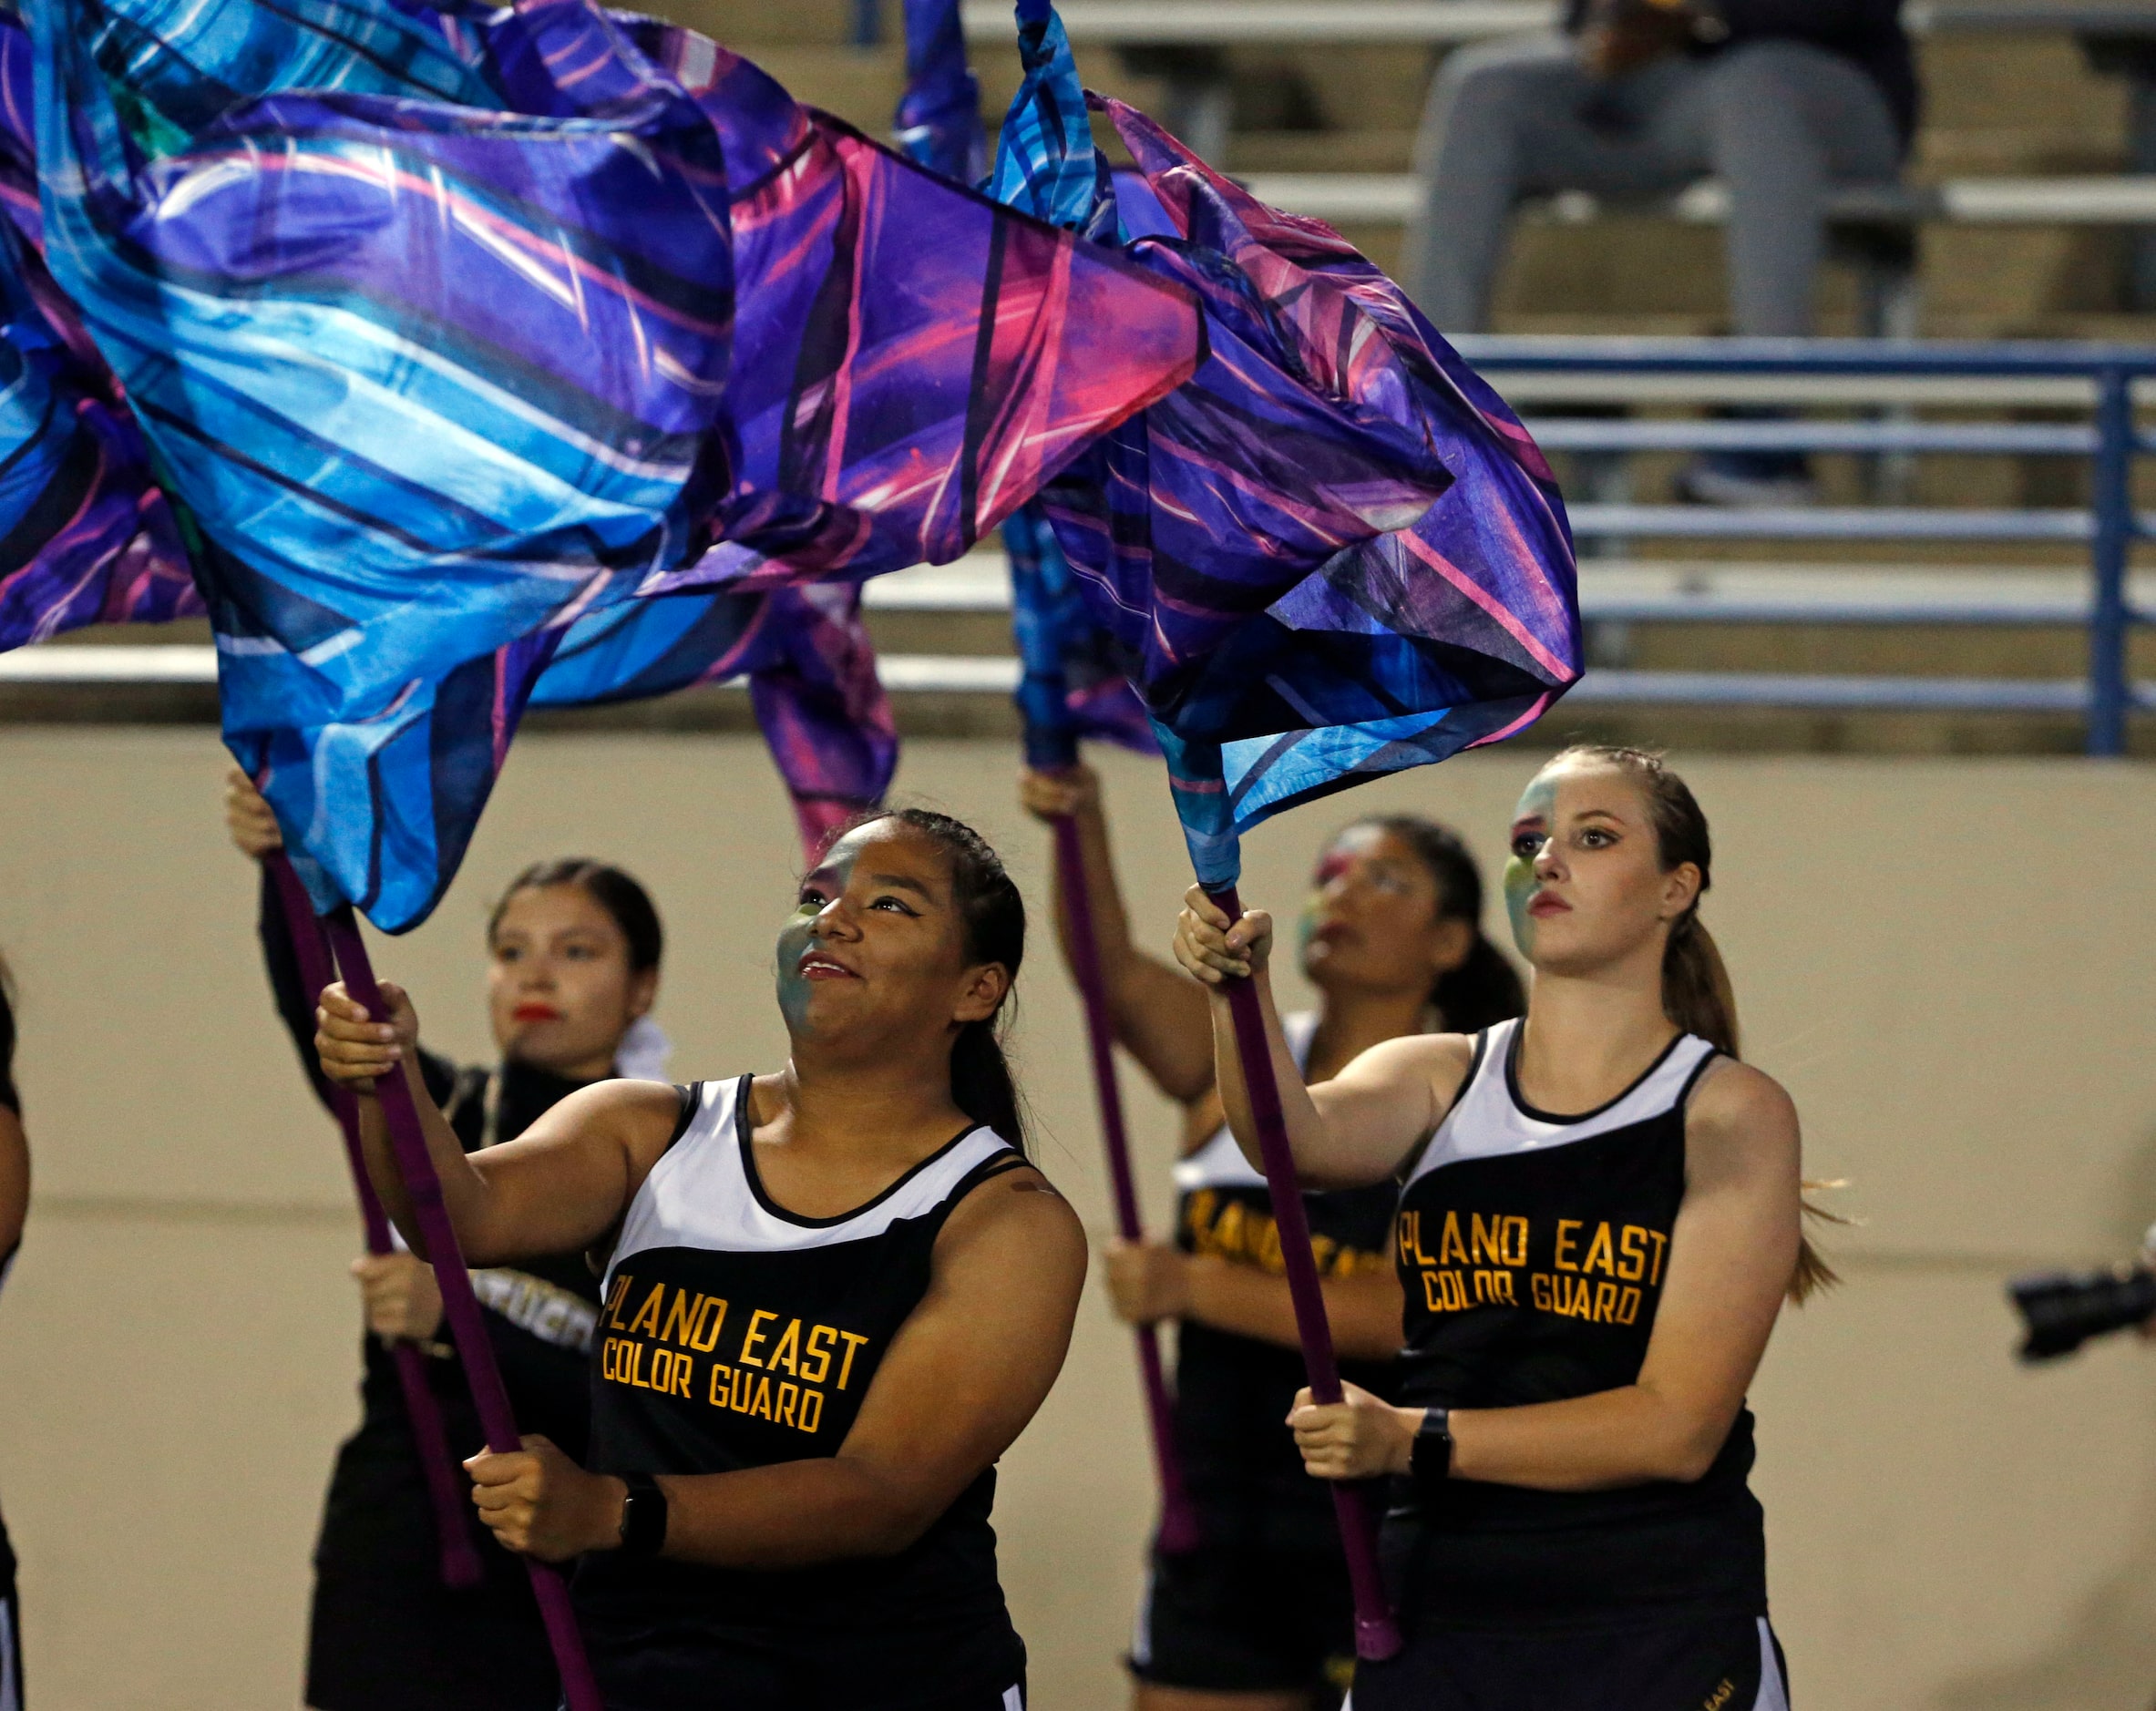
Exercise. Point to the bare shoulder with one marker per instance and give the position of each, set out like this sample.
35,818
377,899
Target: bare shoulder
1740,1115
1016,1218
1438,1060
638,1116
636,1103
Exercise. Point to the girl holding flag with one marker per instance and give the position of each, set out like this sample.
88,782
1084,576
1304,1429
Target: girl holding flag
1256,1617
834,1295
1598,1224
573,950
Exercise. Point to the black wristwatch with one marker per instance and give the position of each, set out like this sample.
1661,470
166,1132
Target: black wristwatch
643,1516
1430,1462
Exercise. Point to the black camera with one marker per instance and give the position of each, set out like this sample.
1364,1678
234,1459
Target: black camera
2062,1310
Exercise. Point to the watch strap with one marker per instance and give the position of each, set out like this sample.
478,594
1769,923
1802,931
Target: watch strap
1430,1461
643,1516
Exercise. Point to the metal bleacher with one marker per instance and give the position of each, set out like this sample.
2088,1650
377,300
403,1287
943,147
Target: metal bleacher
1846,387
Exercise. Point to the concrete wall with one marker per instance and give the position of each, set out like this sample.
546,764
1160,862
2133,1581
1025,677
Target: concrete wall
1948,962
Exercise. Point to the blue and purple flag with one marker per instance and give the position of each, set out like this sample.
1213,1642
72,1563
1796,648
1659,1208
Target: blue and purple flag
1332,554
453,333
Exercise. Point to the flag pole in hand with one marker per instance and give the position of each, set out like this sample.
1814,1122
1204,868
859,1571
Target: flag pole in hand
407,1141
1377,1634
459,1559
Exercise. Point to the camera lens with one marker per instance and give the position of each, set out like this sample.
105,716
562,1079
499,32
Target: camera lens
2062,1310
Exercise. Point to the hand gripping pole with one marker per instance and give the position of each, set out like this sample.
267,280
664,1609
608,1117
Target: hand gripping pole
407,1139
1377,1635
452,1517
1178,1518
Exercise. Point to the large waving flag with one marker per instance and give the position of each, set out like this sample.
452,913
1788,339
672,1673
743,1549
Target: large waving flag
87,535
1334,553
452,334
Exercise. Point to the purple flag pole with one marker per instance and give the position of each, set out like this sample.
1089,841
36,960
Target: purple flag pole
579,1689
1178,1520
1377,1635
460,1560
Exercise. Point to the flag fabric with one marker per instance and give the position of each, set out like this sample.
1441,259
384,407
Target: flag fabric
453,331
1072,685
1334,552
938,119
86,537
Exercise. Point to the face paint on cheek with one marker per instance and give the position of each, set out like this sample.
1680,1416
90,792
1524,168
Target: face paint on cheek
794,939
1538,802
799,933
1519,886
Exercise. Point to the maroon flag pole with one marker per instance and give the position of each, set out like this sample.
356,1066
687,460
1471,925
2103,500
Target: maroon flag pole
407,1139
1377,1635
460,1558
1178,1520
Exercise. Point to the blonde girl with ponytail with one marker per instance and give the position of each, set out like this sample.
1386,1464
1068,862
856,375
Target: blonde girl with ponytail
1599,1222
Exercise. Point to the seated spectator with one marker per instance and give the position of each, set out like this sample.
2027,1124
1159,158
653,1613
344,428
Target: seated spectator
1781,100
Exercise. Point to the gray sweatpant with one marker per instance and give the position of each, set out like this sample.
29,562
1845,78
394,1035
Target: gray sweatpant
1780,122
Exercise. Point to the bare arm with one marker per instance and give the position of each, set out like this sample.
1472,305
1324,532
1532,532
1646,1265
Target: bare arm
557,1187
1158,1015
964,1375
1732,1253
1355,1129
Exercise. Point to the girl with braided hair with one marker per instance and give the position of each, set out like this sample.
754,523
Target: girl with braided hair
833,1294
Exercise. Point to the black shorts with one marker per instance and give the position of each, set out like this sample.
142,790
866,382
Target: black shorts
1698,1662
1234,1617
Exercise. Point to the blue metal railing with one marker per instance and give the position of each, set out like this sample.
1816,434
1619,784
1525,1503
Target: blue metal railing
1864,373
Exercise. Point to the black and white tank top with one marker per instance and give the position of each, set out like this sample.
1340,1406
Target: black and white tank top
734,1333
1533,1248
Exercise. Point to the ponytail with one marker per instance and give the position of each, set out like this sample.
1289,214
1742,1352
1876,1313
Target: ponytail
1484,989
1696,991
1697,995
993,914
980,1082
